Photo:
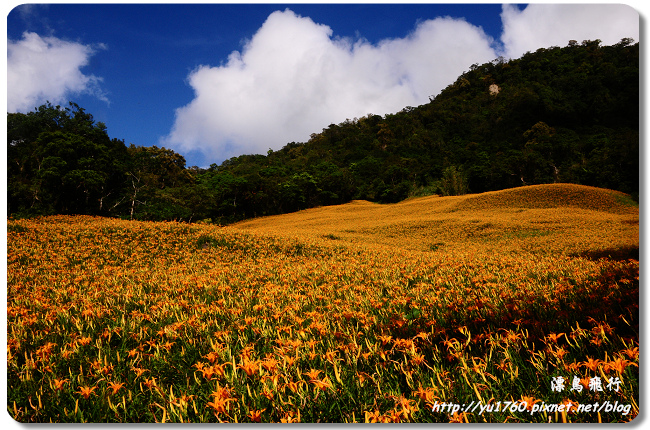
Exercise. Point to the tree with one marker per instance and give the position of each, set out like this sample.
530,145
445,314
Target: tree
453,182
152,173
61,161
539,156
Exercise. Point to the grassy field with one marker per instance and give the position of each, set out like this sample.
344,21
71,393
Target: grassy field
462,309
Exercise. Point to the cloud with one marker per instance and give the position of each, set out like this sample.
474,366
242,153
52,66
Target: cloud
41,69
544,25
293,78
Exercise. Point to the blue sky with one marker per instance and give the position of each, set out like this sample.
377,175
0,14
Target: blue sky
212,81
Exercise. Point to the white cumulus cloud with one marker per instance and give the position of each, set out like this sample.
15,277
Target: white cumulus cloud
544,25
41,69
294,77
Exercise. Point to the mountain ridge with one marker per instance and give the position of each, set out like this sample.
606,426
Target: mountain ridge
561,115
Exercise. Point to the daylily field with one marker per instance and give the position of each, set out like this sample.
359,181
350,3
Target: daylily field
352,313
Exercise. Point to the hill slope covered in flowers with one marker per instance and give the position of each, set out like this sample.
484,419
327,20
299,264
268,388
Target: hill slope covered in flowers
360,312
564,218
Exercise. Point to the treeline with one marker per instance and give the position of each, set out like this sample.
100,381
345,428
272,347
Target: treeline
555,115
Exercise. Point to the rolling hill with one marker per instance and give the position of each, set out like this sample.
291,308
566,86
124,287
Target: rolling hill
566,218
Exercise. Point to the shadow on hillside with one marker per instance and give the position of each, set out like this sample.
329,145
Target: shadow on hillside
618,254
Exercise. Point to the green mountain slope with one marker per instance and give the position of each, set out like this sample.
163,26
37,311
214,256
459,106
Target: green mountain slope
556,115
568,115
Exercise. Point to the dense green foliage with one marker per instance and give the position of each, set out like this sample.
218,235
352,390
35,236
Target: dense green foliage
555,115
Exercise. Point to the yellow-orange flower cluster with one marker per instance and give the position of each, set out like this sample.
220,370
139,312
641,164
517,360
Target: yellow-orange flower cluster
352,313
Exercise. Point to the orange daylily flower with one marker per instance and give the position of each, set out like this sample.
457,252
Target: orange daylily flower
572,367
291,417
222,392
219,405
553,337
417,359
59,383
312,343
313,373
618,365
115,386
270,364
385,339
268,393
45,351
150,382
426,395
246,352
168,345
632,353
591,364
208,372
86,391
84,341
289,360
408,406
503,365
530,401
66,353
322,384
330,356
138,371
598,341
256,415
373,417
456,418
249,367
559,353
212,356
394,416
293,385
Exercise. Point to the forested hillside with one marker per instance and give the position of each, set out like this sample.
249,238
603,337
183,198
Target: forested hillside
566,114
